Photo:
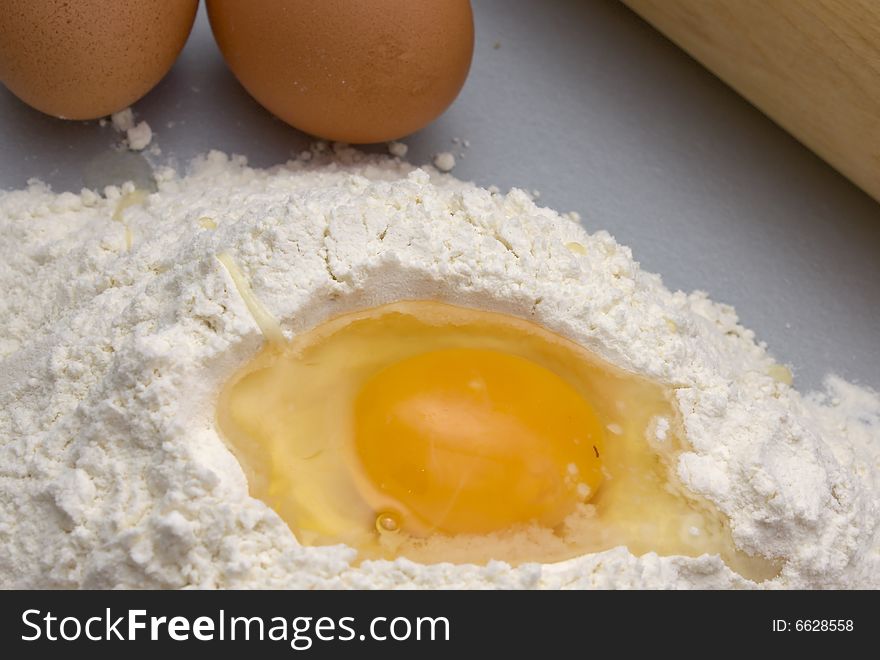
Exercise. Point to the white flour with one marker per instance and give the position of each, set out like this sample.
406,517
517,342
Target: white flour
112,472
444,161
138,135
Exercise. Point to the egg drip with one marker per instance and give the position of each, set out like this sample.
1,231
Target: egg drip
441,433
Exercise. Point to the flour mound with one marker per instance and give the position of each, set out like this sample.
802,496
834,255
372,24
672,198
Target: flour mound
116,335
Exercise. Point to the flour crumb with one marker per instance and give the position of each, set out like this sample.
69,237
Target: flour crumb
123,120
139,136
444,161
397,149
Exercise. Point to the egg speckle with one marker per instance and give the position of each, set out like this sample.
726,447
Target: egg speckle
348,70
89,58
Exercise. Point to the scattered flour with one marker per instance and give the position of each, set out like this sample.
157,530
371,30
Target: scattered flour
112,473
123,120
398,149
137,135
444,161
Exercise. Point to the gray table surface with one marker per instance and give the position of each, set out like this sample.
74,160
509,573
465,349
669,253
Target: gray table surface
586,103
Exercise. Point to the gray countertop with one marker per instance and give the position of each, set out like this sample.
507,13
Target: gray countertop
586,103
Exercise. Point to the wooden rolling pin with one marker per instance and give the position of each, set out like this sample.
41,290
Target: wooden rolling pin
811,65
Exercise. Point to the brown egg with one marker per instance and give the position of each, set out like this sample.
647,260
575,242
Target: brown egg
82,59
349,70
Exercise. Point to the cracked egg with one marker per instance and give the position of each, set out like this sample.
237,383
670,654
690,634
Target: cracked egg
440,433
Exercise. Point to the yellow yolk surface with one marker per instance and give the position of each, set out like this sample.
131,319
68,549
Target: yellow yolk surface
471,440
446,434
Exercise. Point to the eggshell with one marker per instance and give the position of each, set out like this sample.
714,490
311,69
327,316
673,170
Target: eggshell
82,59
348,70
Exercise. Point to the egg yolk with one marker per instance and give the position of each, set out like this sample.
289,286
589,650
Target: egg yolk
474,441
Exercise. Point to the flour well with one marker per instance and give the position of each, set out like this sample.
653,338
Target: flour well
116,336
